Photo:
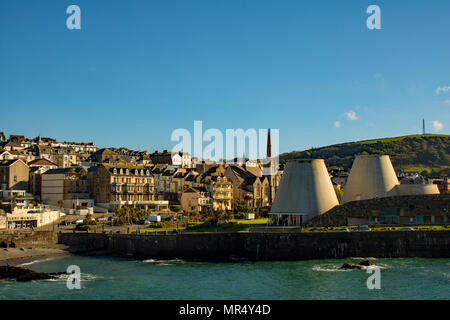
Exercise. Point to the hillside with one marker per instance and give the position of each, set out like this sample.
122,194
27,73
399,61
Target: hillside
430,153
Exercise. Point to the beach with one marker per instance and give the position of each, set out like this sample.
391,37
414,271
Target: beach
14,256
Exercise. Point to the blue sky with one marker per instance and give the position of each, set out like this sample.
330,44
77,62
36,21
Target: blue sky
137,70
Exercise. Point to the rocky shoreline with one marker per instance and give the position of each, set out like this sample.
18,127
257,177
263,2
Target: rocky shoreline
24,274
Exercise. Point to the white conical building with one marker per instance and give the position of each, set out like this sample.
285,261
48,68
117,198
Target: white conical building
305,191
371,176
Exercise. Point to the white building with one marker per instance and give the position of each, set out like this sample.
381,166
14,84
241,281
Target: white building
31,218
182,159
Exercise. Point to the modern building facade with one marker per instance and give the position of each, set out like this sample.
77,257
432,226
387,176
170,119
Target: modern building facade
305,192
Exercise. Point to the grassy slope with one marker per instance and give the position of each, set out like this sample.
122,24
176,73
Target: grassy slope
420,153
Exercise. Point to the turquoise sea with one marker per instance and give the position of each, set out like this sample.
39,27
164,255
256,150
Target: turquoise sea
113,278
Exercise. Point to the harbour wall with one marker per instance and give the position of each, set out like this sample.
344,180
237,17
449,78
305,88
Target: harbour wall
27,238
263,246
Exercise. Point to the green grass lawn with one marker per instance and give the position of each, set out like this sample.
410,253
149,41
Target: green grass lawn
380,228
235,225
418,228
252,222
242,225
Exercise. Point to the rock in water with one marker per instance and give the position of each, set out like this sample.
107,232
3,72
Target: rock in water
367,263
360,265
347,265
22,274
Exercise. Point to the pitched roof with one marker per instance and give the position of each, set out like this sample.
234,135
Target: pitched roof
250,180
64,170
41,162
244,174
195,190
33,169
7,163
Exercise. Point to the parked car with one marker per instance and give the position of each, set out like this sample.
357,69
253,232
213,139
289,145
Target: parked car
143,222
78,221
102,219
406,229
154,218
341,230
363,228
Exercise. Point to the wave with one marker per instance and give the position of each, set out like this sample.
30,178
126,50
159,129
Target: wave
337,268
84,277
329,268
162,261
29,263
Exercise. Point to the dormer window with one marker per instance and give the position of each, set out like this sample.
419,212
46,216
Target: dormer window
115,171
121,171
128,172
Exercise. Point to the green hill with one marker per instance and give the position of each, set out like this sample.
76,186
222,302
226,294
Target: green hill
420,153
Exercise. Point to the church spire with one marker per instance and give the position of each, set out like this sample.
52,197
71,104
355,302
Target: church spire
269,146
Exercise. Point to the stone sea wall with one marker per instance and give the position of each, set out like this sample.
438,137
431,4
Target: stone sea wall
25,238
264,246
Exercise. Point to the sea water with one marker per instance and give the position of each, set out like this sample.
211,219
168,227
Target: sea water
114,278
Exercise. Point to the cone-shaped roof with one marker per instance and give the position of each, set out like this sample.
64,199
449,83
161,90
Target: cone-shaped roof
305,189
371,176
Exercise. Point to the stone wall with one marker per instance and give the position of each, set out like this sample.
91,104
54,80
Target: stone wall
264,246
22,239
405,206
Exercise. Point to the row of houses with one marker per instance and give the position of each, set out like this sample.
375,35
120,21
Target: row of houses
63,154
79,174
111,178
115,185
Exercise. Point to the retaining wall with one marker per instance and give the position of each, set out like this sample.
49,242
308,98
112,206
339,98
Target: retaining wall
22,239
265,246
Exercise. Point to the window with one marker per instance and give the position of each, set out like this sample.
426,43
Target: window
15,178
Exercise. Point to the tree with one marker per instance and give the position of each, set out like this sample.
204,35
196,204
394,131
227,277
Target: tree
60,204
338,192
214,216
128,215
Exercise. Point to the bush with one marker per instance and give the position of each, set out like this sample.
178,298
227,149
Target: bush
239,215
262,212
132,215
89,220
86,227
241,208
